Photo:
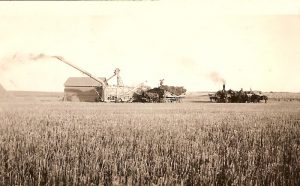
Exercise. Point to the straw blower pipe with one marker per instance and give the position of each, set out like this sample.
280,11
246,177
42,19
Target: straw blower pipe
102,83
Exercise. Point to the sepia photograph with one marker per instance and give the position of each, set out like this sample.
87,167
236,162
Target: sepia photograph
179,92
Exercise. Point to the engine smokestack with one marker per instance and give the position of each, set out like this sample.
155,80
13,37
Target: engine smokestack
223,86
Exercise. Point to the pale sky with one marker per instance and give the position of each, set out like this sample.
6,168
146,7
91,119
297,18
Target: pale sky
251,44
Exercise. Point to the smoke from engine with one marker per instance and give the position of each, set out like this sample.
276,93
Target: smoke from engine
215,77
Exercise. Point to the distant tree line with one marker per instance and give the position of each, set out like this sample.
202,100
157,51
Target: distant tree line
174,89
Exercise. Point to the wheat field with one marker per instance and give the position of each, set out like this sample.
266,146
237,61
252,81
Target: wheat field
149,144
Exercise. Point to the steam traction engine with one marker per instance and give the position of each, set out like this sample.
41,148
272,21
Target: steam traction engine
231,96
